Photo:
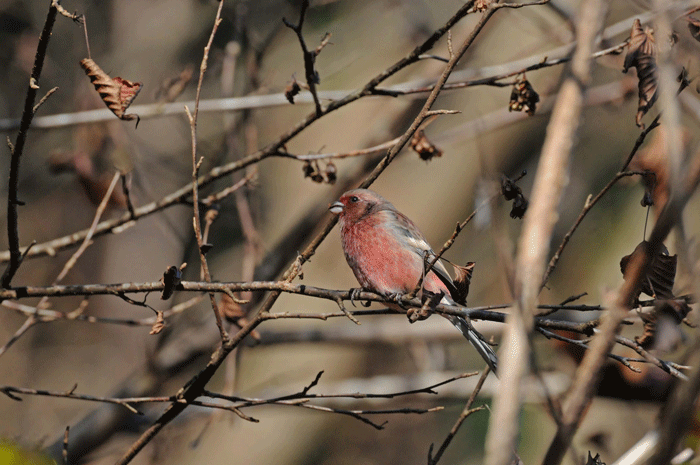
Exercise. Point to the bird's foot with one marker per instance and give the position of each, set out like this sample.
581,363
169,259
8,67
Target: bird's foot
430,301
396,298
355,295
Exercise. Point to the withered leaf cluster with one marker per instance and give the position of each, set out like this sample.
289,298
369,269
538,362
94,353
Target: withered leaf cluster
658,283
523,97
117,93
511,191
328,175
641,55
425,149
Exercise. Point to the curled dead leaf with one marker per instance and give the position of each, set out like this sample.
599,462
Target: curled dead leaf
117,93
425,149
463,277
159,324
641,55
660,277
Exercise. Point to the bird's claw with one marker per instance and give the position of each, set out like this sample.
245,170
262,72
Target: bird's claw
355,295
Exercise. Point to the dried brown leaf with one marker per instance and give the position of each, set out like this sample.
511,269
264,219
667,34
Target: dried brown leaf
463,277
660,277
159,324
117,93
425,149
641,55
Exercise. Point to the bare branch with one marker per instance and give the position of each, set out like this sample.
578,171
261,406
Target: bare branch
28,114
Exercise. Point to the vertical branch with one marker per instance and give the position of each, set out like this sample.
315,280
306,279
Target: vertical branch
27,115
309,57
551,177
203,248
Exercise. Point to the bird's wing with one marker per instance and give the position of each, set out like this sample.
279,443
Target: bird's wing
415,239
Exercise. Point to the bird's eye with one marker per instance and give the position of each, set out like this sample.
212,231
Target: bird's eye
354,199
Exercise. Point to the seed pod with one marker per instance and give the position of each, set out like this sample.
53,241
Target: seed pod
523,97
425,149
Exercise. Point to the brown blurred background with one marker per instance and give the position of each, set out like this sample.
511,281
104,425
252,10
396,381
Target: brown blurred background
155,40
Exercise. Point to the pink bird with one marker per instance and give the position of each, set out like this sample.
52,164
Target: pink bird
387,254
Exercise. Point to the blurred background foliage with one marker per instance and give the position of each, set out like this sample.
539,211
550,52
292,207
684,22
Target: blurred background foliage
64,170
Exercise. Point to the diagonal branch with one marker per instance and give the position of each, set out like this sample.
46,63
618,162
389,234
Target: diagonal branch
12,201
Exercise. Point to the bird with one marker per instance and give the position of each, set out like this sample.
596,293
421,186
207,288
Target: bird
387,254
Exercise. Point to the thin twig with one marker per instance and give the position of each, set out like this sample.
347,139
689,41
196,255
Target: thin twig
44,99
432,460
46,315
195,176
590,203
28,323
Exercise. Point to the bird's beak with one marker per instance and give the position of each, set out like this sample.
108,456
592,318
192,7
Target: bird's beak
336,208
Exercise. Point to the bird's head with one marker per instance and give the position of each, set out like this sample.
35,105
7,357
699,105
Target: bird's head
355,204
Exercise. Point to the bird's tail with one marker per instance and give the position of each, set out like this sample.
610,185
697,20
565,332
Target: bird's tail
477,341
